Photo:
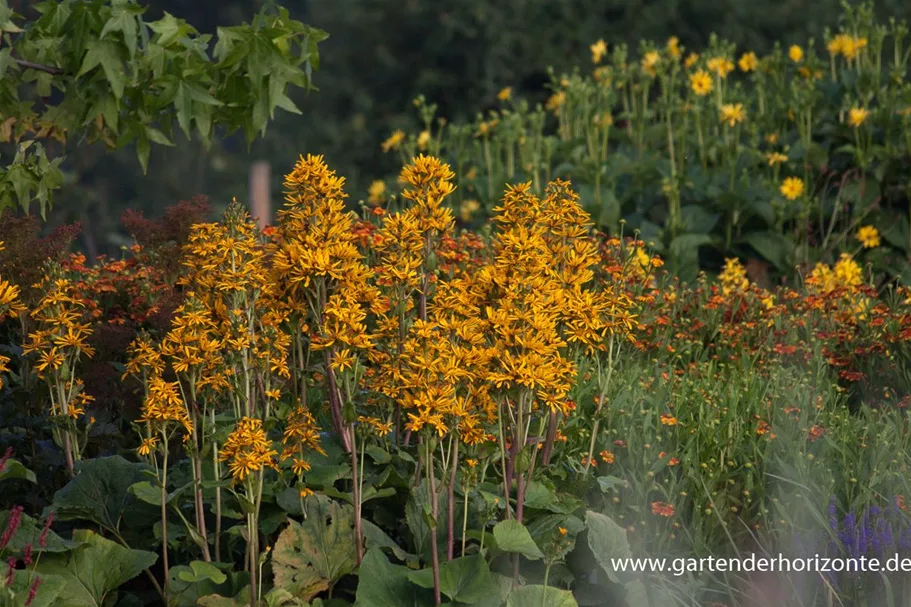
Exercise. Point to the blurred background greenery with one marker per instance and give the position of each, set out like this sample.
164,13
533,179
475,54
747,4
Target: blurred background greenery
380,55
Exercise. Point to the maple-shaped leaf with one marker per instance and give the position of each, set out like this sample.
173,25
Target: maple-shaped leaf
312,556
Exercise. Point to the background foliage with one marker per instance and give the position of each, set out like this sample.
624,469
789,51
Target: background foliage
383,53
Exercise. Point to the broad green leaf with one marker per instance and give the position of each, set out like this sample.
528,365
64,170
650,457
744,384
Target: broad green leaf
382,584
100,492
200,570
466,579
94,569
607,541
151,494
375,536
16,469
29,532
512,536
774,247
49,588
310,557
545,596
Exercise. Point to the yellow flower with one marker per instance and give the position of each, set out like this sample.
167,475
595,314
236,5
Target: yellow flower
147,445
599,49
305,492
857,116
732,113
468,208
748,62
868,237
505,94
701,83
691,60
376,191
733,277
423,140
562,530
673,47
795,53
650,62
248,449
394,140
792,188
776,158
721,66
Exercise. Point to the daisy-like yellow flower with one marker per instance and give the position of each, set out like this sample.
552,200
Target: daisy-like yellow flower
147,446
795,53
599,49
673,47
792,188
868,236
748,62
701,83
505,94
650,62
691,60
776,158
857,116
732,114
394,140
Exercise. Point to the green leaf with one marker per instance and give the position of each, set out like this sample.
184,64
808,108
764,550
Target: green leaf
29,532
466,579
199,571
105,54
95,569
607,541
382,584
100,492
512,536
697,219
310,557
375,536
320,477
50,588
774,247
151,494
156,136
606,483
16,469
547,596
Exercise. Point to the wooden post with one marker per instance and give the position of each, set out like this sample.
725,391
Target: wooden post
260,203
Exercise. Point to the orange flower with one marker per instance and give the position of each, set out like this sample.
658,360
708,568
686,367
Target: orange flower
607,457
668,420
663,509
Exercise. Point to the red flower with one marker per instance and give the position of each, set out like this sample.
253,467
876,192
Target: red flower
663,509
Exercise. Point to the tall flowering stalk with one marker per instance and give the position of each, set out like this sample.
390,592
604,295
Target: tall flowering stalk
164,412
59,343
324,281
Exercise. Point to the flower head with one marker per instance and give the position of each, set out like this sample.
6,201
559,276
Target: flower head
792,188
795,53
868,237
857,116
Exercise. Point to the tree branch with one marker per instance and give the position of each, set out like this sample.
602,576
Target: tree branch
37,66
